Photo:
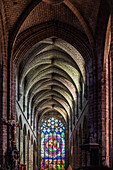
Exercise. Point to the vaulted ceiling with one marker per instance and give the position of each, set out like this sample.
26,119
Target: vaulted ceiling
23,14
50,77
51,70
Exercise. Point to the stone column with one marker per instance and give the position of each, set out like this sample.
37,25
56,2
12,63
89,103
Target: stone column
26,150
17,138
4,138
76,152
83,158
36,159
66,149
21,146
111,6
84,154
30,155
80,152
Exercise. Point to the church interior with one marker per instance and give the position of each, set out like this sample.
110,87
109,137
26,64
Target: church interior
56,84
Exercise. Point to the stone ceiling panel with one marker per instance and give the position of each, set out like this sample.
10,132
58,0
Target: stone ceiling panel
51,73
14,9
45,12
89,10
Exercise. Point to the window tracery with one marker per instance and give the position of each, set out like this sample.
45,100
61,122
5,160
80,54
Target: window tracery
52,144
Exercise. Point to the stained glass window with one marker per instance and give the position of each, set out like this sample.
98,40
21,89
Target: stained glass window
52,145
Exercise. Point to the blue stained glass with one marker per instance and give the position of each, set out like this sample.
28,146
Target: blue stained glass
48,130
44,130
52,144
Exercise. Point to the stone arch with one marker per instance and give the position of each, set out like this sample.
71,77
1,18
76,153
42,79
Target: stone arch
57,88
47,110
55,2
107,39
81,46
68,4
87,53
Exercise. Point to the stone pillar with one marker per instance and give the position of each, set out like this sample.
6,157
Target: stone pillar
26,150
30,155
83,158
21,146
4,137
107,120
84,152
34,162
36,158
80,152
17,138
66,149
111,115
76,153
111,5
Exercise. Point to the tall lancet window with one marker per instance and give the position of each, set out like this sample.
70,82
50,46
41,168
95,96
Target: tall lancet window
52,144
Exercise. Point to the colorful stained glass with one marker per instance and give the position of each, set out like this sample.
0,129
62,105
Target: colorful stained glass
52,145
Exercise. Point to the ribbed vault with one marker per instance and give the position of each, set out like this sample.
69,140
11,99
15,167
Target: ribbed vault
51,78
